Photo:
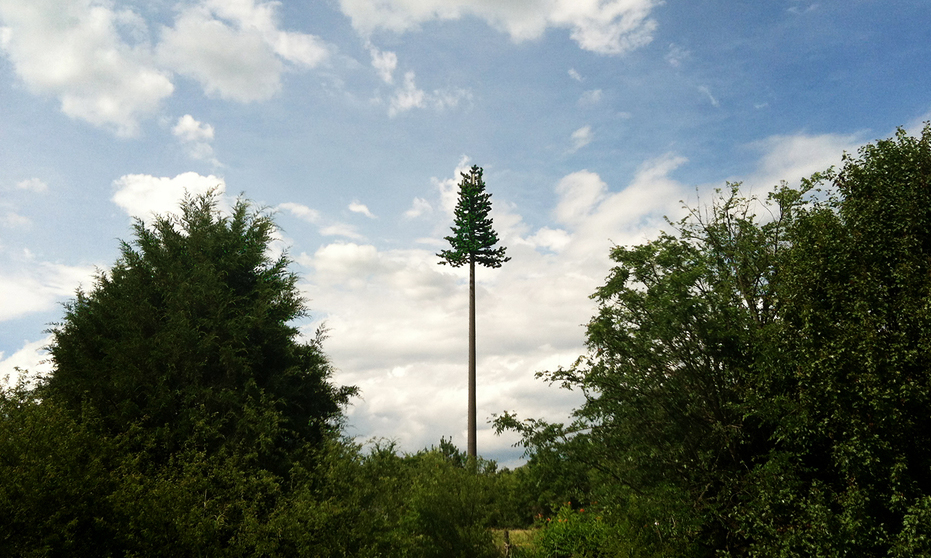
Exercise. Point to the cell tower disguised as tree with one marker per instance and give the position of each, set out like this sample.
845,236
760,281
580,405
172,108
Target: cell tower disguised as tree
473,242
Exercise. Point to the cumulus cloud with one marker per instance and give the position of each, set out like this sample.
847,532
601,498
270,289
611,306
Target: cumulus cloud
325,226
231,63
28,285
592,97
419,206
301,211
32,185
581,137
575,75
579,193
408,96
102,64
28,362
143,196
793,157
384,63
357,207
74,51
411,314
235,49
603,26
14,220
197,137
261,17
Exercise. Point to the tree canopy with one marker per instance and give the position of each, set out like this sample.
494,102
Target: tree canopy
761,385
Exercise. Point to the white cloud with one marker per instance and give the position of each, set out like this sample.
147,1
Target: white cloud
14,220
230,63
23,295
189,129
579,193
409,96
143,195
406,97
261,17
341,229
301,211
29,361
793,157
676,55
325,226
102,65
797,10
235,48
197,137
575,75
551,239
419,207
28,286
592,97
597,218
72,49
582,137
707,93
384,63
603,26
33,185
357,207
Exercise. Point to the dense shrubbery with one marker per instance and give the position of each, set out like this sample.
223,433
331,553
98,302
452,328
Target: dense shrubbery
69,490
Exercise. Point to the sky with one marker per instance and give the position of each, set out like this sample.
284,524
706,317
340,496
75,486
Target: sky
351,120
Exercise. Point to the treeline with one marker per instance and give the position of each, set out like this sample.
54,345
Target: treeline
758,383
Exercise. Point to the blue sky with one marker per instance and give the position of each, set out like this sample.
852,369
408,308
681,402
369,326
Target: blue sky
351,119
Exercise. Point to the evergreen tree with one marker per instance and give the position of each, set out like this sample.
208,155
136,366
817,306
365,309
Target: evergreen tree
473,242
192,327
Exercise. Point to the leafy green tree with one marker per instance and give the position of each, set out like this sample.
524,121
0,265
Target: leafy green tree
473,242
55,480
858,362
761,387
192,326
672,418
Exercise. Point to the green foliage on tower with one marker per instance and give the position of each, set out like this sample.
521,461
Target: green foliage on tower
473,239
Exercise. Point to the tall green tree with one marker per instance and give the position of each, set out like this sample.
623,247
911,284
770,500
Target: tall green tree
857,364
671,423
193,325
473,242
